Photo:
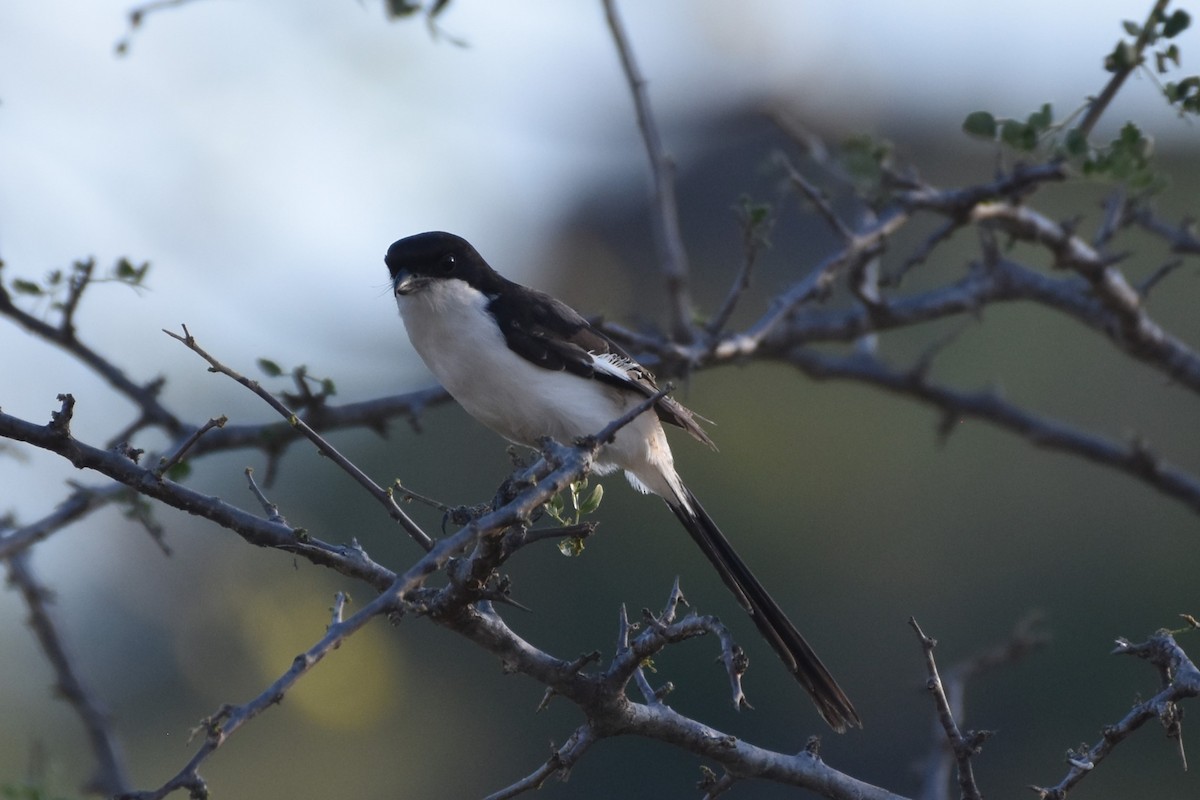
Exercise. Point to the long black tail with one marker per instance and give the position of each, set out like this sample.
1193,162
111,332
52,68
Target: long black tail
774,625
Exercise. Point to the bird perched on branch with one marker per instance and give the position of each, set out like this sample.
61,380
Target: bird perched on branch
528,366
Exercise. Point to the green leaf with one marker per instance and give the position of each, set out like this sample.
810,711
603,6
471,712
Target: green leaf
1165,58
592,502
1121,58
981,124
1130,137
269,367
397,9
555,507
1042,119
179,471
328,388
1177,23
1186,93
1131,27
26,287
1076,143
1018,135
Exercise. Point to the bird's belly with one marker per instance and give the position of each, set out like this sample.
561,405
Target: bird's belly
514,397
564,406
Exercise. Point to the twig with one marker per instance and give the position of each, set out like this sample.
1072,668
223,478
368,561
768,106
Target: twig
1135,460
272,510
866,245
144,397
583,530
1116,217
165,464
627,662
110,776
1182,238
272,437
609,432
406,494
255,530
1023,640
964,747
81,502
1180,679
76,285
818,200
1100,104
559,763
137,16
666,217
639,674
754,238
1145,287
229,719
383,496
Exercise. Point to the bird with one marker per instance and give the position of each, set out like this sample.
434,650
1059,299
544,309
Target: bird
528,366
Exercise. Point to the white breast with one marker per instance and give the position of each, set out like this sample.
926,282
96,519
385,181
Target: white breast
457,338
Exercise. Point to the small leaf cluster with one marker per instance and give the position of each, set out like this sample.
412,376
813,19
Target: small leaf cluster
1127,158
1185,93
1124,55
570,506
1020,136
324,387
59,282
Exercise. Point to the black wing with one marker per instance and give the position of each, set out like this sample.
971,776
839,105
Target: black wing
554,336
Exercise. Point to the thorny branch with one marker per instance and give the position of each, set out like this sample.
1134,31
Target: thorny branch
1025,638
964,746
1180,680
383,496
666,216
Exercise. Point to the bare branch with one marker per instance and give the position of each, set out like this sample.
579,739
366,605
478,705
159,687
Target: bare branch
144,397
165,464
1135,459
965,747
1182,238
559,763
229,719
1024,639
255,530
754,239
383,496
82,501
666,217
1180,680
110,776
272,510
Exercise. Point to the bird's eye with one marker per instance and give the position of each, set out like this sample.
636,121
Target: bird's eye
447,264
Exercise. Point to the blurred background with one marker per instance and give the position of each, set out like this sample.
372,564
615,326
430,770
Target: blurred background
263,155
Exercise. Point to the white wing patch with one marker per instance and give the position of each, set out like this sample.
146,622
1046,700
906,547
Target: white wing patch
616,365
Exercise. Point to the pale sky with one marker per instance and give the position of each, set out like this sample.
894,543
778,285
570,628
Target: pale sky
262,155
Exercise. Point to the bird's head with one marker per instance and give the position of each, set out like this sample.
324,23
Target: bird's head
417,262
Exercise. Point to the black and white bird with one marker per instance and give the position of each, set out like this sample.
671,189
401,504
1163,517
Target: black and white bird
528,366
